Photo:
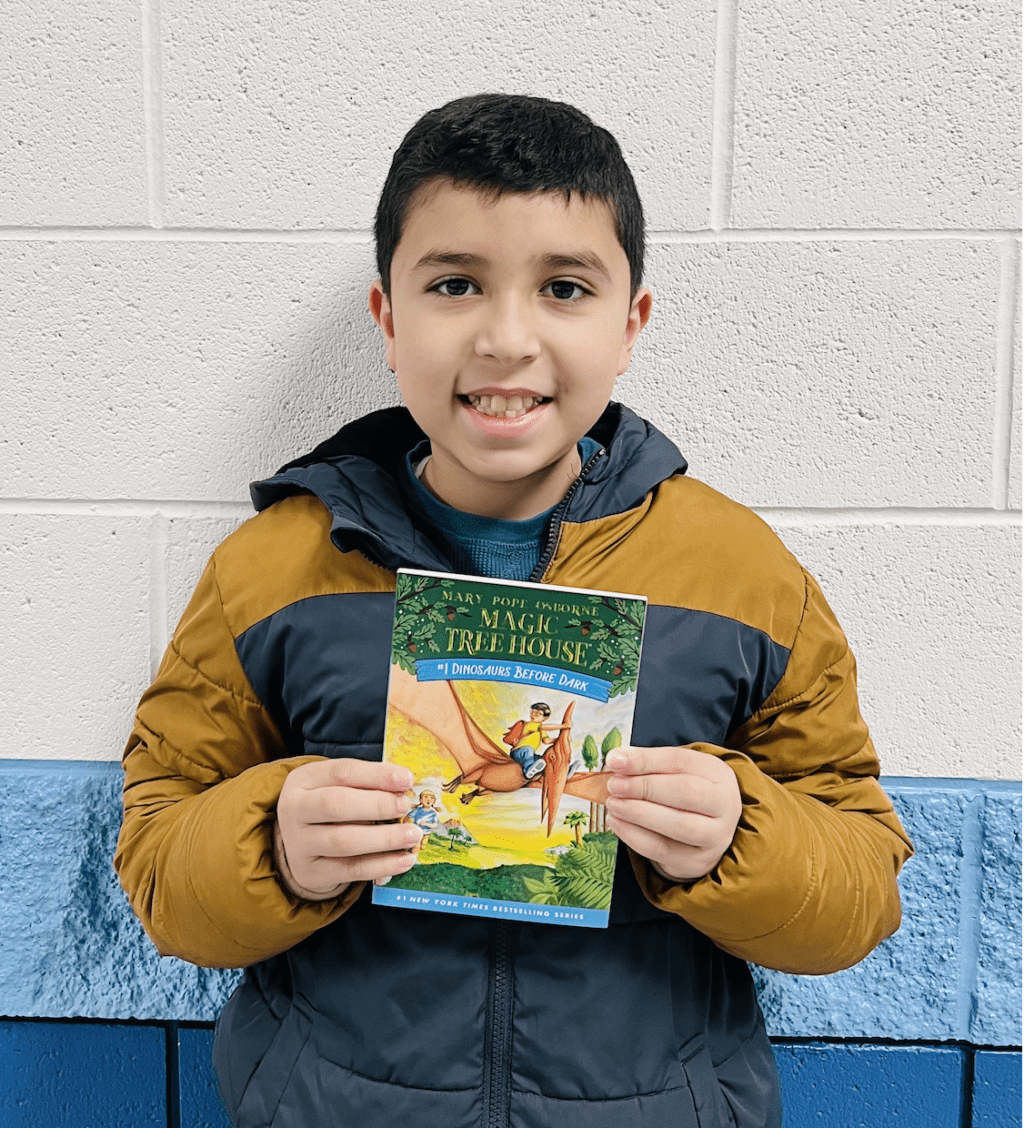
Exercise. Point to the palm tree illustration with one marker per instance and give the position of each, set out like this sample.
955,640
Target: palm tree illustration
576,819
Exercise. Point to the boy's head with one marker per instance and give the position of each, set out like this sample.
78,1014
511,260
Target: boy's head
507,299
540,711
500,143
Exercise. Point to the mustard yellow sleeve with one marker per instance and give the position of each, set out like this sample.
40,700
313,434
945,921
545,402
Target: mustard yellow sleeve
195,852
809,883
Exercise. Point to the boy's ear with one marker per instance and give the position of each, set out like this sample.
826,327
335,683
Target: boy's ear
639,315
380,309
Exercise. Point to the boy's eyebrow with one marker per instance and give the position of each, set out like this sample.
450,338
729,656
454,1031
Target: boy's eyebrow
448,258
583,259
577,259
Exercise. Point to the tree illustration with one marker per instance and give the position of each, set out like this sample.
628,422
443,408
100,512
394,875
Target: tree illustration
421,607
616,635
611,741
590,758
576,819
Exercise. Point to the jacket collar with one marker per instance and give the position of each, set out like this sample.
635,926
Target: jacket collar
353,474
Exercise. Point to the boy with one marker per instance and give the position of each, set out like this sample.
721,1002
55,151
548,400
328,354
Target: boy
532,734
510,251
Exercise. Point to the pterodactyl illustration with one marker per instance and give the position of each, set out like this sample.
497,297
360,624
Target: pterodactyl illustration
435,706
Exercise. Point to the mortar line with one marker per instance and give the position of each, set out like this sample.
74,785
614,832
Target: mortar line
723,108
1002,439
329,236
159,632
774,515
969,945
153,116
173,1075
894,515
123,507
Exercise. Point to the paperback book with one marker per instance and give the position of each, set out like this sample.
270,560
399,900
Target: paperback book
504,700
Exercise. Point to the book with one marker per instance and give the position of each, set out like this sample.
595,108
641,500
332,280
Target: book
504,698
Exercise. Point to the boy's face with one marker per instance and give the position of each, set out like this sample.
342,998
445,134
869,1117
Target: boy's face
526,298
536,715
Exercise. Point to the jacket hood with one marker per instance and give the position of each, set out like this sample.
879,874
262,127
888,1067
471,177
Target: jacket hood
354,472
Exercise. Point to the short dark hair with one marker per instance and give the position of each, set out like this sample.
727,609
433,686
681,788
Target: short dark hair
511,143
542,707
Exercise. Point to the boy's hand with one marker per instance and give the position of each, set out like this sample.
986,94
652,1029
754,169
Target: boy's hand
330,817
676,806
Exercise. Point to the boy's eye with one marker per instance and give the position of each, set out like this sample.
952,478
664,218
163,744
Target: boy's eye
453,287
565,290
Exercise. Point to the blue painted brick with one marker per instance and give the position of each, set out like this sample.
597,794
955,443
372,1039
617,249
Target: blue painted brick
200,1102
858,1086
997,1090
909,986
69,944
996,1014
82,1075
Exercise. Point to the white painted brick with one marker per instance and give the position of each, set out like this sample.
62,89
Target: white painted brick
72,149
897,114
290,119
854,373
190,542
74,608
933,615
179,370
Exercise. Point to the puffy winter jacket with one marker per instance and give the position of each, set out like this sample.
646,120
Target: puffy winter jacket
354,1014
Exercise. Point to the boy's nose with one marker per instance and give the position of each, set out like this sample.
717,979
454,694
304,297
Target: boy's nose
507,332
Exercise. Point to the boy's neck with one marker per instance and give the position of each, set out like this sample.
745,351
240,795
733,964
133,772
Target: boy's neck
517,500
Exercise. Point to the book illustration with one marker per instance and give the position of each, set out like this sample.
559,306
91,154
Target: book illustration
504,699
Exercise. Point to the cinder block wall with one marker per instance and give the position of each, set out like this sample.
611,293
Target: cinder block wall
186,193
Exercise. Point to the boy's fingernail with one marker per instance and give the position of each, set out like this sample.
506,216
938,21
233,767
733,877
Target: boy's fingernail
402,777
616,761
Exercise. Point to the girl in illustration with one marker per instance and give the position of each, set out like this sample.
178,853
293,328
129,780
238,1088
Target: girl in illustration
427,817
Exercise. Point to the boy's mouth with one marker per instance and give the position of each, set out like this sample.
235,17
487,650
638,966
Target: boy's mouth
504,407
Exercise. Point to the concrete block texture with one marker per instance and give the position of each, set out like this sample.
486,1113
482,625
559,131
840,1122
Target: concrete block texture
291,120
904,114
848,373
180,370
69,944
836,1086
72,145
932,613
949,973
82,1075
998,913
74,608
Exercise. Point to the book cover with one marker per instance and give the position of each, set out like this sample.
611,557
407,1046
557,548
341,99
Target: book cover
504,699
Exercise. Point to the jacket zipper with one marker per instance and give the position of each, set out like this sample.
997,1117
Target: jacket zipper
498,1043
555,524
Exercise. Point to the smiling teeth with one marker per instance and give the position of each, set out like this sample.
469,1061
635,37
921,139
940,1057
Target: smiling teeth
500,407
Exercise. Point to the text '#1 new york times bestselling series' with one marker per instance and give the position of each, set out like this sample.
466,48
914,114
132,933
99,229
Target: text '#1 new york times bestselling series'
504,700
